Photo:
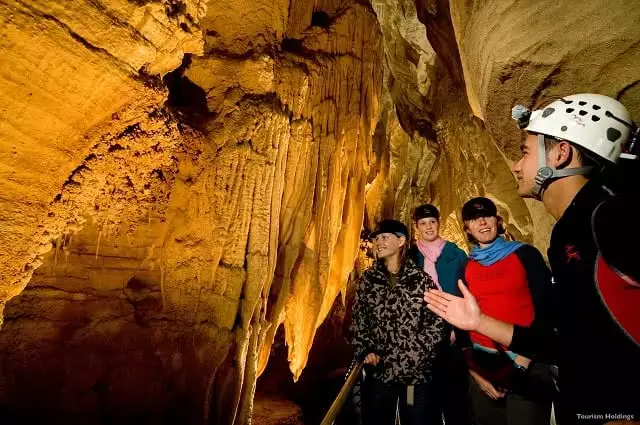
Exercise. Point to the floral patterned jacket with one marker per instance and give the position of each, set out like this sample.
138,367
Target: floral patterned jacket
394,322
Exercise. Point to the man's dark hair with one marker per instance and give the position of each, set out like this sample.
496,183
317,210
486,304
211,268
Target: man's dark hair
586,158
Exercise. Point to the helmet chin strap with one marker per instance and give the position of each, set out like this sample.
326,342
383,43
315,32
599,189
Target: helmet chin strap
546,175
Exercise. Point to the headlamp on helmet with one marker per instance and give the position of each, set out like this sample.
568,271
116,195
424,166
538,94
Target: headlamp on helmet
521,114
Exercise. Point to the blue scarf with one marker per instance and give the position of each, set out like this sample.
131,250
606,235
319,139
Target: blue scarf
495,252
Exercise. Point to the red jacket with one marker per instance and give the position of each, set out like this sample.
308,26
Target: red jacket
516,289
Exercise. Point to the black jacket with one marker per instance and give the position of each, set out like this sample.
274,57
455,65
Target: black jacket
598,364
394,323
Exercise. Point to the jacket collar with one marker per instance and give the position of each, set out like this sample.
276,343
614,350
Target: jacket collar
448,254
407,266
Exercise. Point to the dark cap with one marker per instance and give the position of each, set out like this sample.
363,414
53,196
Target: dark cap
478,207
390,226
424,211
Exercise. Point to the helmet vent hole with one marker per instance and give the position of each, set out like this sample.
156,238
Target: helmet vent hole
613,134
570,110
563,128
582,113
582,103
595,118
596,107
548,112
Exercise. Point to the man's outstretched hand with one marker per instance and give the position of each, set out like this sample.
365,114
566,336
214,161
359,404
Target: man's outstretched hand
462,312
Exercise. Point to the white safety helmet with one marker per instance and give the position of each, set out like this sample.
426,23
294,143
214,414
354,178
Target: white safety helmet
599,124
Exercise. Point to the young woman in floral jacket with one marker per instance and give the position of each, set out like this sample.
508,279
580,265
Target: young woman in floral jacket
396,334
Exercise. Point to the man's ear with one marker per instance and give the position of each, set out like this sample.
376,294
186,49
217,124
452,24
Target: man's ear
403,241
561,154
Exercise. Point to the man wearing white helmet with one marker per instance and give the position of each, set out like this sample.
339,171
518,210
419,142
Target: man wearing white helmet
568,144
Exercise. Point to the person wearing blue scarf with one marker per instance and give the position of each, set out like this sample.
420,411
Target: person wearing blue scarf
510,281
494,252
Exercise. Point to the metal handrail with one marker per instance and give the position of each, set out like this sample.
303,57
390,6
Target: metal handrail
338,403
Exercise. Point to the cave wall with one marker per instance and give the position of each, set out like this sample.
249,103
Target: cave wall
92,337
429,145
66,69
318,94
88,340
173,220
533,52
454,69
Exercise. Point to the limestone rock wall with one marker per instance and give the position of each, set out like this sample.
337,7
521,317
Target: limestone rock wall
297,125
433,149
401,170
94,323
66,68
405,144
533,52
184,235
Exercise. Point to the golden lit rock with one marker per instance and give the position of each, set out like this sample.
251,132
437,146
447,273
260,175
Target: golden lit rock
543,50
434,150
67,68
191,221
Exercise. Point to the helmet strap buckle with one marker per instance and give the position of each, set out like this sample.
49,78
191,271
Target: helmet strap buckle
544,171
542,180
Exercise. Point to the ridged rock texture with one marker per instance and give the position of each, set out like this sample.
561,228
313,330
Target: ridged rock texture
182,178
532,52
184,234
429,145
